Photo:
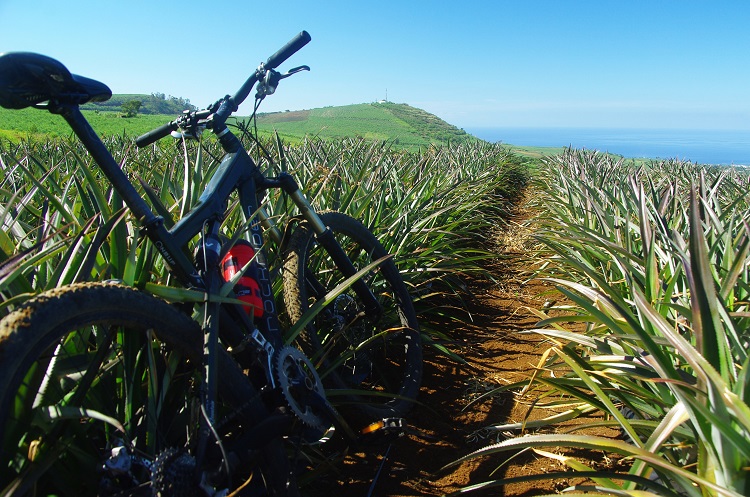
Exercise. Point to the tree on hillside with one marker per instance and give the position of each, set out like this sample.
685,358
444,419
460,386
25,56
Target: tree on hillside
131,108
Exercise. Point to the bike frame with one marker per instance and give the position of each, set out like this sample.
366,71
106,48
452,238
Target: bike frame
236,172
34,80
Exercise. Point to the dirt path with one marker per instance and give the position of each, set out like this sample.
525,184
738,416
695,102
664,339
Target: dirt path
497,354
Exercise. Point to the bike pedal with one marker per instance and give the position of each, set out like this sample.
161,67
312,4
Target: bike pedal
390,428
386,428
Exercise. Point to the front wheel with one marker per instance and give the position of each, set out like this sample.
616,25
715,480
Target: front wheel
374,362
100,395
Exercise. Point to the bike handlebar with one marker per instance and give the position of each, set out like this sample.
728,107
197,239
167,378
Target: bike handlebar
156,134
275,60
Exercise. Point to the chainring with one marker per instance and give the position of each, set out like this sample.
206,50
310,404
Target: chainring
302,388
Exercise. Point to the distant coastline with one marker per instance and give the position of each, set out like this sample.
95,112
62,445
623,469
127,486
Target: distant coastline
725,147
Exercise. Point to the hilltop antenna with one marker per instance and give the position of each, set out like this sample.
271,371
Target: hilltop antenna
386,94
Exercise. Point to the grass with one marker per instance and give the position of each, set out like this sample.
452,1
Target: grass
400,124
41,125
536,153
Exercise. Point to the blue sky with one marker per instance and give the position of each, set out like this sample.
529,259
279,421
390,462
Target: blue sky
546,63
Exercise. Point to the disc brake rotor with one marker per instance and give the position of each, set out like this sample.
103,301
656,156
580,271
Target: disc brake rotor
349,324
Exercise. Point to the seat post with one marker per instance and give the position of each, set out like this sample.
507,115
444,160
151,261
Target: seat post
154,225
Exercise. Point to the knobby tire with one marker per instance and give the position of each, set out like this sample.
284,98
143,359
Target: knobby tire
375,365
77,361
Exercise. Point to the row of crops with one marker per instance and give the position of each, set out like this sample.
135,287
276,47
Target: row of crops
62,223
650,332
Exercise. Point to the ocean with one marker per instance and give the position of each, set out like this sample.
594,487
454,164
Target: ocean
724,147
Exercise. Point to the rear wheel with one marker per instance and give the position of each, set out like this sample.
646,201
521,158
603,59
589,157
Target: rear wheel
372,362
99,394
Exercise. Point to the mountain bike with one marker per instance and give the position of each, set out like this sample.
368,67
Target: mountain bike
106,389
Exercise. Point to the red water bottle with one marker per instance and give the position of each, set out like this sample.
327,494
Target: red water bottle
246,289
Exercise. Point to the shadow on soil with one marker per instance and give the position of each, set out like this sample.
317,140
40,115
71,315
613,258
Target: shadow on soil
447,424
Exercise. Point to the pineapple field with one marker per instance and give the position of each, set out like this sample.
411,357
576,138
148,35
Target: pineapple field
584,317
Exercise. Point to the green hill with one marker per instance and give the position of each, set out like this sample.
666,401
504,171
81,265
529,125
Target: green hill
106,117
156,103
400,123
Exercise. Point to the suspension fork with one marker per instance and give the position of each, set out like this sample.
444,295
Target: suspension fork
325,238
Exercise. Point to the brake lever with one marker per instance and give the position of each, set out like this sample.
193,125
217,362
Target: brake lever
193,133
270,80
294,70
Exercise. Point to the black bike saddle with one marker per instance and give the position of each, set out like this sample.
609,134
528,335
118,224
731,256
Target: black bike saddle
28,79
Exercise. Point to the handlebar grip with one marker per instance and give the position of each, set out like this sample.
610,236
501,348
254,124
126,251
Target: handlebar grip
155,134
288,50
299,41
